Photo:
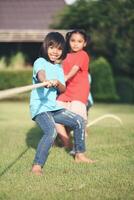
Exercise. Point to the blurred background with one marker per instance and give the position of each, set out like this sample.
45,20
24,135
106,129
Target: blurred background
109,25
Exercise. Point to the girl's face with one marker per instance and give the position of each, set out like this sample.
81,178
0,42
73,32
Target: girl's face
77,42
54,53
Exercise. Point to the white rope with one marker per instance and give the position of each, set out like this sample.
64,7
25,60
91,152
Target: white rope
13,91
104,117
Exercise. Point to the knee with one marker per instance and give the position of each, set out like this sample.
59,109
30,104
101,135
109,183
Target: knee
54,134
81,121
51,136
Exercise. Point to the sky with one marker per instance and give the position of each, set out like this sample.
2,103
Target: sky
69,2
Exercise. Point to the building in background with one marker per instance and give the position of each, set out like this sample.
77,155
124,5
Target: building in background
24,24
23,17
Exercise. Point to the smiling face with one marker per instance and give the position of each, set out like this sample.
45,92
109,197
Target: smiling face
54,53
77,42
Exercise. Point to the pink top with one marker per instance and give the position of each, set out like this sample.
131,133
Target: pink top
77,88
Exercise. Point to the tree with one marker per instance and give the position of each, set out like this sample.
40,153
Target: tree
110,25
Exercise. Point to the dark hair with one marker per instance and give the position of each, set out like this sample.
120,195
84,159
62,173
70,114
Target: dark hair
69,34
53,39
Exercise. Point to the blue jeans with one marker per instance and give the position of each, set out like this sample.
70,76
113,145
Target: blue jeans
47,121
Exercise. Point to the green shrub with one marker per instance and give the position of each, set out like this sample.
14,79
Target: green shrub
3,64
103,85
17,61
15,78
125,89
11,79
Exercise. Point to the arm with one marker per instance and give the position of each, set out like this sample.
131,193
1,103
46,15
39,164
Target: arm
72,72
51,83
41,76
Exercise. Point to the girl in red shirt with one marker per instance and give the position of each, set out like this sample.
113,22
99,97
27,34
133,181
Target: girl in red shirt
75,68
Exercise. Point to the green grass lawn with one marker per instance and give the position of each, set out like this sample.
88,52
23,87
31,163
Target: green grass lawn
112,145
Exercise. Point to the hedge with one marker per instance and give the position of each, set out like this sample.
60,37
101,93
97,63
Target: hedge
15,78
103,84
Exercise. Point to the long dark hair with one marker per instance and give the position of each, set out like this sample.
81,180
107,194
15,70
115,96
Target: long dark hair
69,34
53,39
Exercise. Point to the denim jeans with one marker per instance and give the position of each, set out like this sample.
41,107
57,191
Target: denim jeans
47,121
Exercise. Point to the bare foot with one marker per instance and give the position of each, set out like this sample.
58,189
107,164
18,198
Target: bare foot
37,170
80,157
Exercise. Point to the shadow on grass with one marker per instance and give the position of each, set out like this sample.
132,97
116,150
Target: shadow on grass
33,137
13,162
